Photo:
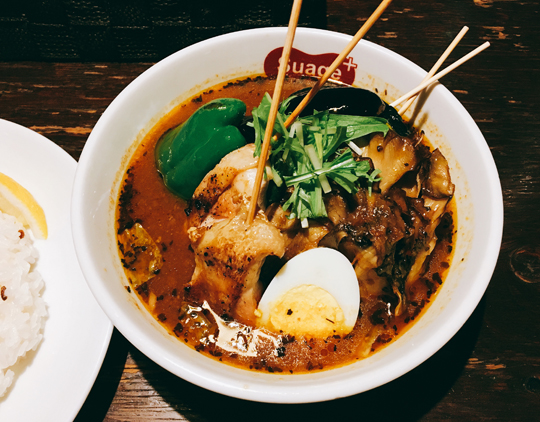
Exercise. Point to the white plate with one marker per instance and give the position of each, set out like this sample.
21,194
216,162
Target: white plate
56,379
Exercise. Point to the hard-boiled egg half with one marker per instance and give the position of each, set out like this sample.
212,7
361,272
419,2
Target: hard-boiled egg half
315,294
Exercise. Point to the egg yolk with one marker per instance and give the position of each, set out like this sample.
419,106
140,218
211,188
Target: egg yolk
308,311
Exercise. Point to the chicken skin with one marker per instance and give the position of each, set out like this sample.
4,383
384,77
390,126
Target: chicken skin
229,253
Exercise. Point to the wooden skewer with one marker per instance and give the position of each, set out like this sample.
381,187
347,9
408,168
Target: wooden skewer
440,74
436,66
339,59
276,98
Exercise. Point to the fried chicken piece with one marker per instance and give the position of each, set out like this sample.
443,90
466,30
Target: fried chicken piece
229,253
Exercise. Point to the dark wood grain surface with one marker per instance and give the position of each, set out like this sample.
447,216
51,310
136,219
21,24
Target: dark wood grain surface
490,371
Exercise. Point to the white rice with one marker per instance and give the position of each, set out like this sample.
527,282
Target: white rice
22,310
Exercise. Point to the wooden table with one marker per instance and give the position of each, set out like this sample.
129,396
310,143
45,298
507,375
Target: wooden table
491,369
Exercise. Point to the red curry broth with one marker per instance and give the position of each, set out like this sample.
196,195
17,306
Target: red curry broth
145,199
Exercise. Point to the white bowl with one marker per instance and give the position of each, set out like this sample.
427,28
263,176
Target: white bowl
156,91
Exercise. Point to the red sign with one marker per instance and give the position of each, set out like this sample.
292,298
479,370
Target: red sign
303,64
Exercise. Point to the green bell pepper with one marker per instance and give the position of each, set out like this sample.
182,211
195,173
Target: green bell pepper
185,154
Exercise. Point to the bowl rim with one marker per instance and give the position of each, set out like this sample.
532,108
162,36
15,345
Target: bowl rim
206,376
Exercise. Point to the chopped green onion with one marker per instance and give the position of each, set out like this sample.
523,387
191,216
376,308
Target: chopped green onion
325,184
276,177
299,132
312,154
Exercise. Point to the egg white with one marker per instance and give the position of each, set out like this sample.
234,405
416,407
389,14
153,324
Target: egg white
322,267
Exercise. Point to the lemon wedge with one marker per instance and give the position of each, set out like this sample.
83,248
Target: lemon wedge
15,200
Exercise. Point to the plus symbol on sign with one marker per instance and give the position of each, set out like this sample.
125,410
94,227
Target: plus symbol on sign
350,64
